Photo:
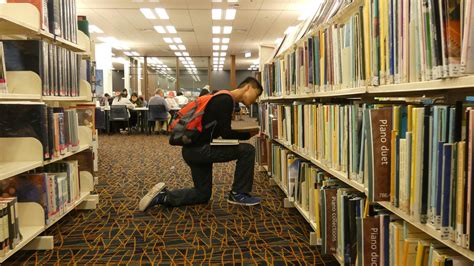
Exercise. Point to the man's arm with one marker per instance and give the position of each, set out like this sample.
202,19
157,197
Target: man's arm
222,109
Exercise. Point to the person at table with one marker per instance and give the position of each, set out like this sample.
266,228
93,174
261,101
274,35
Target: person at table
181,99
136,101
106,100
159,99
121,99
125,93
145,103
171,101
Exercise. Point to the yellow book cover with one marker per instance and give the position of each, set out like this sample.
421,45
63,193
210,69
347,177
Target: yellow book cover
314,135
409,118
413,159
422,253
460,187
409,248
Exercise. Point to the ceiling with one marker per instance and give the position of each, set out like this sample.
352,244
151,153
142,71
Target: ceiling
256,22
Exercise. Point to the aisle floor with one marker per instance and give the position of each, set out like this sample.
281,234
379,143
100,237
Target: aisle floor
214,233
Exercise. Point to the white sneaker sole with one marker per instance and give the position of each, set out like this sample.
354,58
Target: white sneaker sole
243,204
146,200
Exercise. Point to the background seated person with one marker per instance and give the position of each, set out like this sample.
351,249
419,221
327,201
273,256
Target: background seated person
121,99
158,99
171,101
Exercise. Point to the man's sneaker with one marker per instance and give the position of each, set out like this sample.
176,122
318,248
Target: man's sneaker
243,199
155,196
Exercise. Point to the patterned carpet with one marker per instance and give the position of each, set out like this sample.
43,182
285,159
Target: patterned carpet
215,233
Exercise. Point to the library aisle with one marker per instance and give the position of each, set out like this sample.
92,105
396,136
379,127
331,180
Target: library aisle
217,233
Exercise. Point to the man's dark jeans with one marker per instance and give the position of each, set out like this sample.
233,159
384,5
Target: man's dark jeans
200,159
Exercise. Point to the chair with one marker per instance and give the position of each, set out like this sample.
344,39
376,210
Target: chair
157,113
119,113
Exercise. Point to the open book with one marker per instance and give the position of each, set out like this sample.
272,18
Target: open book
224,142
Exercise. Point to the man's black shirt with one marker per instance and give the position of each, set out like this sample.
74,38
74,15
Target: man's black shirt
219,109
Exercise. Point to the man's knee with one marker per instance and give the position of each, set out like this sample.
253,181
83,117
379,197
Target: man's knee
247,149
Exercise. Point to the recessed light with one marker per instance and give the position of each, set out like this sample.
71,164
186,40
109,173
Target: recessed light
182,58
225,40
230,14
215,47
189,58
148,13
160,29
232,1
177,53
177,40
181,47
162,13
215,54
128,53
223,54
168,40
95,29
216,14
173,47
216,40
248,54
135,54
278,41
227,30
171,29
224,47
185,54
216,29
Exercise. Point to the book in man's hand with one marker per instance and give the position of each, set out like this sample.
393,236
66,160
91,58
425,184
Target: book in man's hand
224,142
247,129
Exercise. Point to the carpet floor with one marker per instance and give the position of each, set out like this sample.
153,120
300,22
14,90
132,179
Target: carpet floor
217,233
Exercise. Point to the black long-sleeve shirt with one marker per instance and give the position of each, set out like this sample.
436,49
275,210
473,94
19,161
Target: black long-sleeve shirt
220,109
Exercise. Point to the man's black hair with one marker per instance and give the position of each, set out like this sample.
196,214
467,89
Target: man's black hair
253,82
179,93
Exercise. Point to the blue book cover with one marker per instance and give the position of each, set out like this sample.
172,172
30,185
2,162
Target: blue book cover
316,61
403,121
310,61
439,183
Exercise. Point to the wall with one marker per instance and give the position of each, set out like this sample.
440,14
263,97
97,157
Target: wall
221,79
118,83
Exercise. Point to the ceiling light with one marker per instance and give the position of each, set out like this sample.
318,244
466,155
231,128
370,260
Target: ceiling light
215,54
188,58
227,30
185,54
230,14
216,14
173,47
224,47
181,58
177,40
278,41
223,53
256,61
148,13
162,13
248,54
216,40
215,47
216,29
128,53
135,54
225,40
160,29
168,40
181,47
250,68
290,29
177,53
171,29
95,29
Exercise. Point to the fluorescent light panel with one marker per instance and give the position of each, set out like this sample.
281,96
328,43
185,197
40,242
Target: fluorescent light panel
185,54
216,40
248,54
168,40
216,29
227,30
173,47
224,47
148,13
216,14
160,29
177,40
215,47
95,29
223,53
162,13
171,29
225,40
230,14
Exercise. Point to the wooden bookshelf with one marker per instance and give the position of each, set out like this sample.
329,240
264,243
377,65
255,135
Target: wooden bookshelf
333,172
326,94
65,99
19,96
465,82
428,230
68,154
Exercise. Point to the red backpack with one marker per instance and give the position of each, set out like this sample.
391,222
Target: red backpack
187,123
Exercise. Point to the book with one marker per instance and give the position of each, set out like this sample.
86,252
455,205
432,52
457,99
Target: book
224,142
3,71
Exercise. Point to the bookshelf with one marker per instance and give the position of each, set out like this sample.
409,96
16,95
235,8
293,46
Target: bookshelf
374,67
20,21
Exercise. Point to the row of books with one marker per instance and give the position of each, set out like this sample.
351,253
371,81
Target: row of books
10,234
58,68
382,42
57,128
56,16
417,157
347,226
55,187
